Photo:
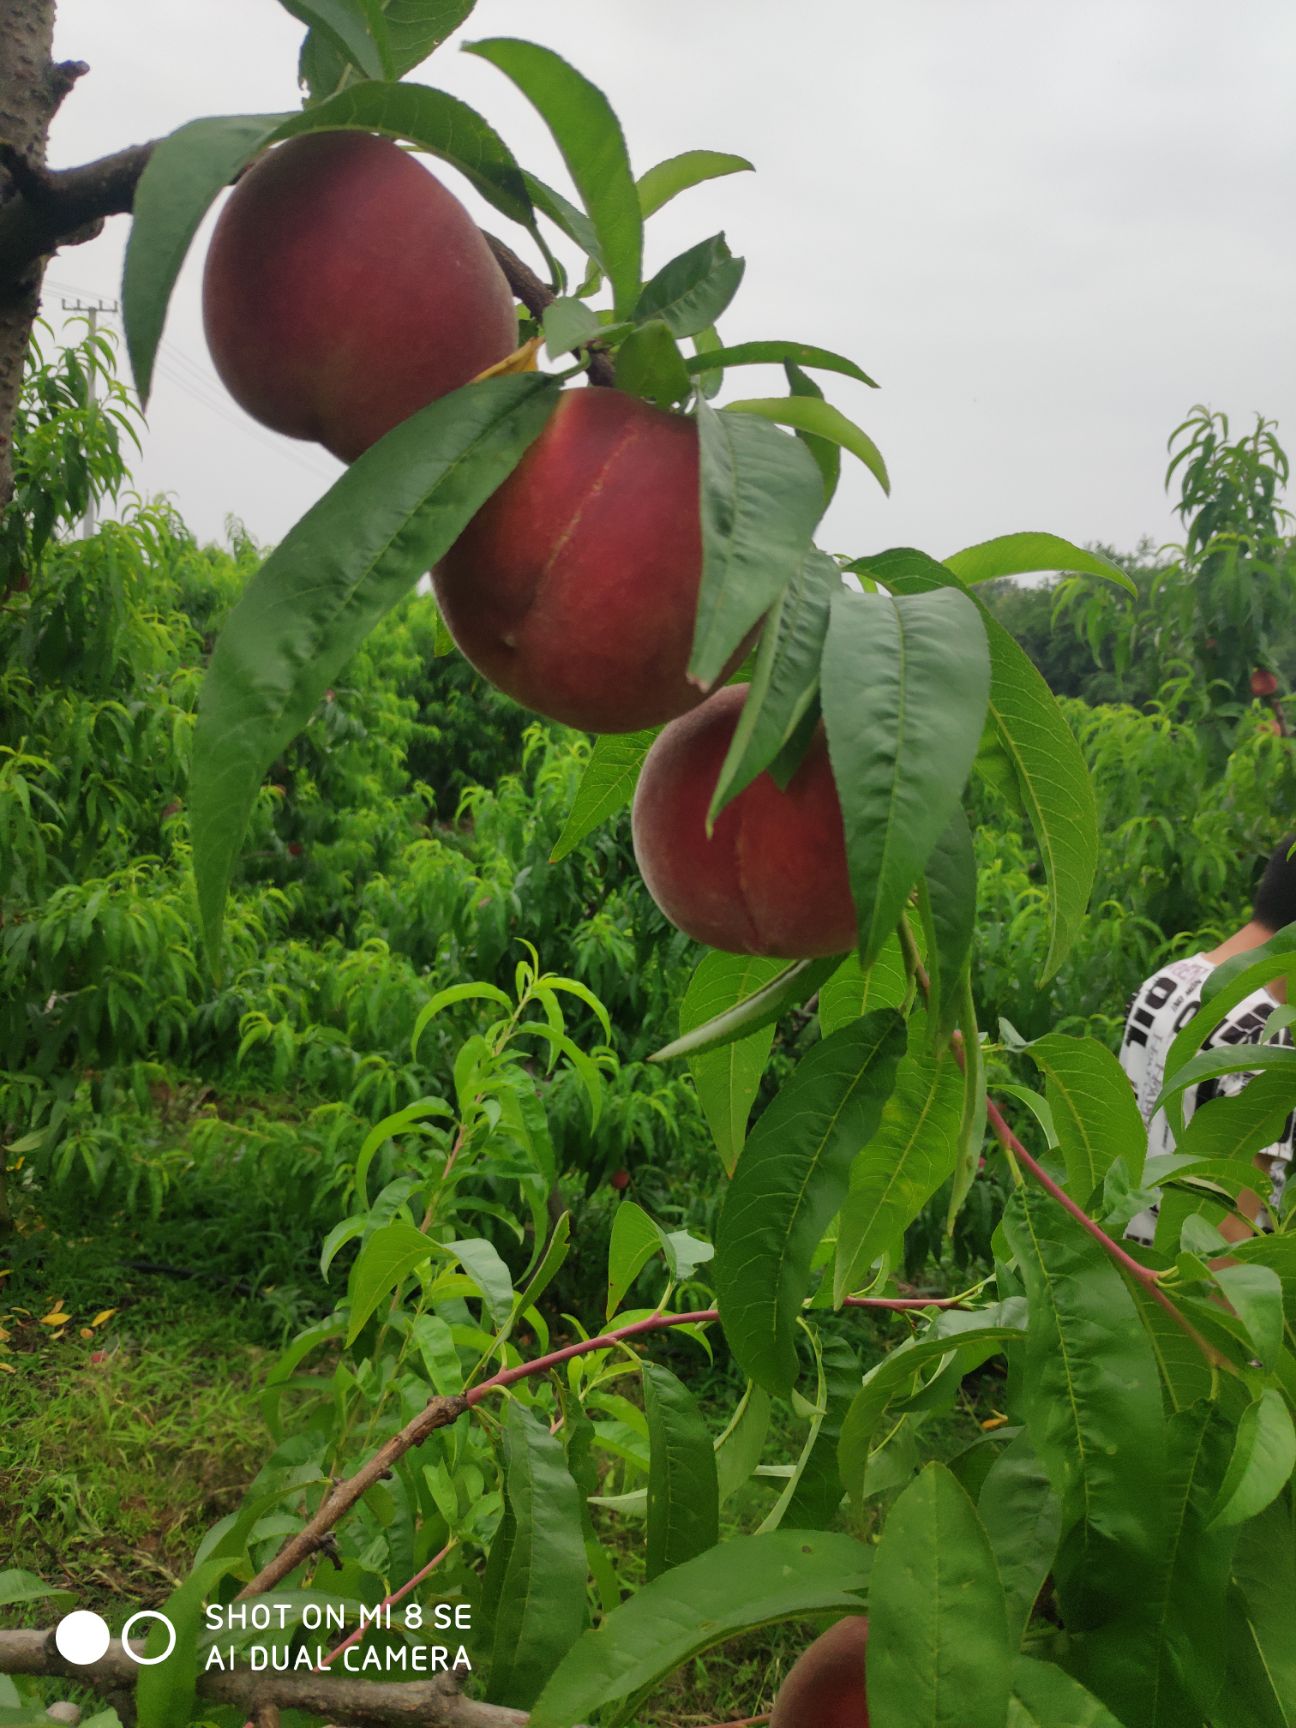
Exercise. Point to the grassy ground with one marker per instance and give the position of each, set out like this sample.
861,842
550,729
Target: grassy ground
121,1441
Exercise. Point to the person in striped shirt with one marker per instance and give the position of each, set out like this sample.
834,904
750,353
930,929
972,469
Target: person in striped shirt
1164,1004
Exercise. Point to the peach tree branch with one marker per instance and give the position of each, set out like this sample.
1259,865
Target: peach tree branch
434,1703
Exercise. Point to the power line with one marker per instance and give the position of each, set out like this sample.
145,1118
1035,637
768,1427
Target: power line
200,382
207,398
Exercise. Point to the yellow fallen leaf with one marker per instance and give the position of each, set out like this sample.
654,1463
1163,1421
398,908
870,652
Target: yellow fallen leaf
102,1315
523,359
8,1367
55,1317
3,1335
993,1422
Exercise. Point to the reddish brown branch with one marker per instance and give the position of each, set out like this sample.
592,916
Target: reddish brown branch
1126,1262
605,1341
437,1413
440,1412
535,295
1143,1275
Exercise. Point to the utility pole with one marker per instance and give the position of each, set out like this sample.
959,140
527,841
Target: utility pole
92,313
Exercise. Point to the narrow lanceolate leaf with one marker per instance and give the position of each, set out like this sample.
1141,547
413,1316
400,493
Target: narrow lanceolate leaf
187,170
1024,1520
1240,1126
854,989
414,28
1136,1491
606,786
1228,1059
939,1654
1054,782
632,1244
167,1685
382,1266
729,1078
778,702
947,901
822,420
738,1450
1226,986
649,364
683,1493
564,215
1158,1655
758,683
1045,1696
1260,1687
482,1262
904,1162
1034,738
666,180
1018,554
790,1182
776,353
1094,1111
354,28
743,1584
971,1337
589,136
904,684
436,122
1255,1295
827,454
568,324
1264,1457
1093,1408
815,1490
794,984
1245,972
761,498
691,292
348,561
535,1578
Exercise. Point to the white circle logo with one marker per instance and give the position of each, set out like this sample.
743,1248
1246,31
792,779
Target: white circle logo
147,1614
82,1637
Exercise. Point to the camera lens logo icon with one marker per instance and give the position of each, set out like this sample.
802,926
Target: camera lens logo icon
82,1637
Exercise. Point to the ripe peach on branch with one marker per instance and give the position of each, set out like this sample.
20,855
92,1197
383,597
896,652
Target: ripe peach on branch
574,589
345,288
771,878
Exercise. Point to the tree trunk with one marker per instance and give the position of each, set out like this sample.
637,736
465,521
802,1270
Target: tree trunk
30,91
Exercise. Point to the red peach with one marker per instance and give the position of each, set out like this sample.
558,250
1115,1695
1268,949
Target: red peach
772,877
574,588
825,1685
1263,682
345,288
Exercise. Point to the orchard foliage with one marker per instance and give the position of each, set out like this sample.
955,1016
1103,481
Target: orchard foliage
1116,1547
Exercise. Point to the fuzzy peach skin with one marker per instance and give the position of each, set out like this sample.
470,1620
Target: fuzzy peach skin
345,288
574,588
772,878
825,1685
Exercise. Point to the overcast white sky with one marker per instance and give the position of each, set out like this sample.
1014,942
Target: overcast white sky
1047,229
